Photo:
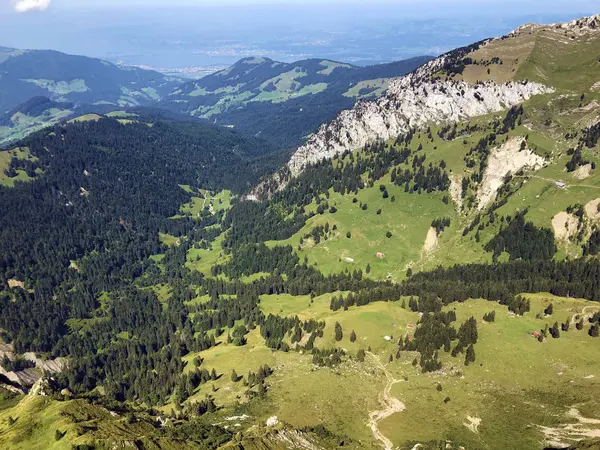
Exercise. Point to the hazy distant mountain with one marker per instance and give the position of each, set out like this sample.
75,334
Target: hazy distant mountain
284,102
67,78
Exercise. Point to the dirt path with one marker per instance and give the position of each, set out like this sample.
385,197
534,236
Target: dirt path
391,405
554,181
583,314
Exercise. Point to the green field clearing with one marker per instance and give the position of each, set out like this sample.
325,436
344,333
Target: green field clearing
330,66
516,381
329,394
375,88
214,202
86,118
167,239
6,157
408,219
515,384
203,259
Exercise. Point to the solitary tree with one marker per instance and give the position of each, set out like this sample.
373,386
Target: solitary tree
353,336
234,376
338,332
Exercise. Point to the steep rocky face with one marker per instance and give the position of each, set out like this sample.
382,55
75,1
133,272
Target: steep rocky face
410,102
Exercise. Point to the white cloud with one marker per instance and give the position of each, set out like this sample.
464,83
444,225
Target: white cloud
31,5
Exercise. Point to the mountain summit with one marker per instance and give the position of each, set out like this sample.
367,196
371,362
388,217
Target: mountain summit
482,78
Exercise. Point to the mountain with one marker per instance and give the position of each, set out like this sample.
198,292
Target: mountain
248,95
77,79
67,82
32,115
483,78
284,102
424,272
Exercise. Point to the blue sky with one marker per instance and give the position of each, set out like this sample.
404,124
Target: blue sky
444,5
191,33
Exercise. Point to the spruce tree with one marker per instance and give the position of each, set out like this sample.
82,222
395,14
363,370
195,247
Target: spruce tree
470,356
360,356
353,336
338,332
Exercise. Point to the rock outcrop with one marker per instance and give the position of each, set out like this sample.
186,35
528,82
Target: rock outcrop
508,159
579,27
409,104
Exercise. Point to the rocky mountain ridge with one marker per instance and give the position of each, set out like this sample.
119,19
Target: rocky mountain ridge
410,105
425,97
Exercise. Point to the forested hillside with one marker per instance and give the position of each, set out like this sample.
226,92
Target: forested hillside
284,102
76,79
40,88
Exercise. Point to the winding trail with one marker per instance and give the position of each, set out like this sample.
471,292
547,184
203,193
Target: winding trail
583,314
391,405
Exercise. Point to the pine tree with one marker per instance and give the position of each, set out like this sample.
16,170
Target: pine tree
549,310
234,376
412,304
353,336
338,332
360,356
470,356
554,331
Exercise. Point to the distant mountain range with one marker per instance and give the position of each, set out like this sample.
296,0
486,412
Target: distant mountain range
284,102
41,87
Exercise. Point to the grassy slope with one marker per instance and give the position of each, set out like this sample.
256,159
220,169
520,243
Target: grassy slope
515,384
38,418
547,119
5,159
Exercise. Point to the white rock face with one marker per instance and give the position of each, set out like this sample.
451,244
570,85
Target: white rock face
585,25
410,103
507,159
414,100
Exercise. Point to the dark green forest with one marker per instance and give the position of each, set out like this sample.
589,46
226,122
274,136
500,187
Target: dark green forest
103,191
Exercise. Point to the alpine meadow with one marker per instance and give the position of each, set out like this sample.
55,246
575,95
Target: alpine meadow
308,254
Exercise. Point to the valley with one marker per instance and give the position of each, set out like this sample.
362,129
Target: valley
422,272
